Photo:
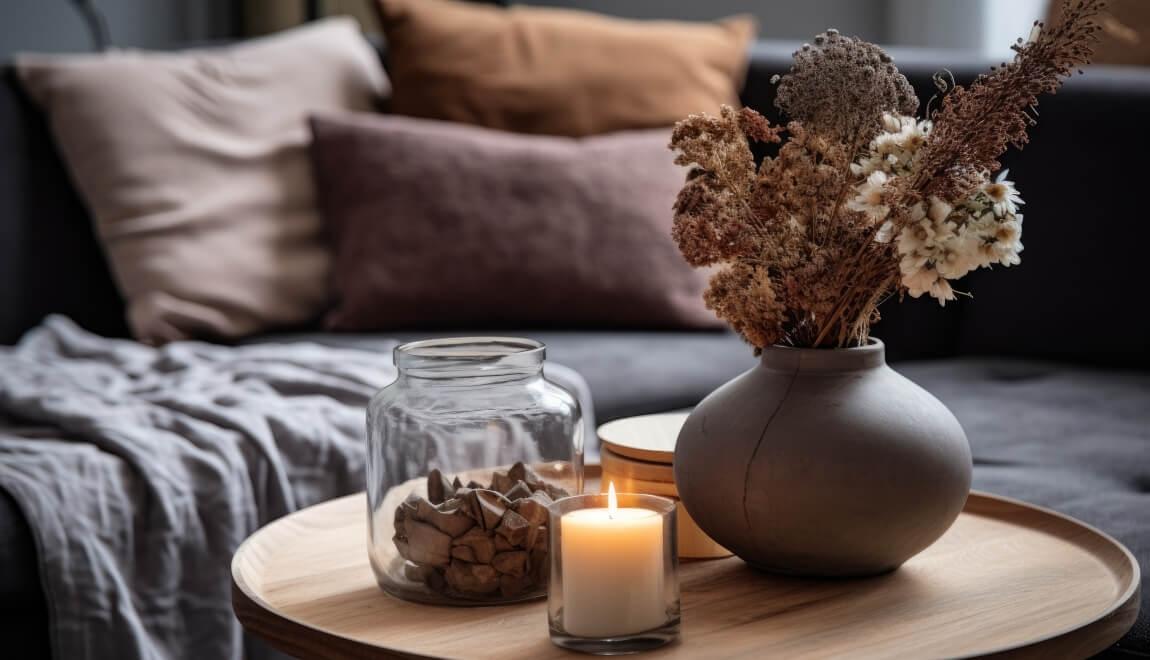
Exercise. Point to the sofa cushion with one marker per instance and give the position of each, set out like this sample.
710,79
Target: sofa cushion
194,165
557,71
438,224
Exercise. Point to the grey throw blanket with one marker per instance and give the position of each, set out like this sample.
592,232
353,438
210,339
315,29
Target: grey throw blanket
140,471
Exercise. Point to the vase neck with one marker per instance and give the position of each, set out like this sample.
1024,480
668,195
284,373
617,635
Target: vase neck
787,358
496,358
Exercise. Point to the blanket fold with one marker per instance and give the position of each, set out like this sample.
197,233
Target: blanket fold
140,470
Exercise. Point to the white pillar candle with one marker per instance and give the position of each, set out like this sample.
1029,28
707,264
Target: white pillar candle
612,562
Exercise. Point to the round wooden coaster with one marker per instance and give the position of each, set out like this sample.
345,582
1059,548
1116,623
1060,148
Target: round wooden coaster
646,471
646,438
625,484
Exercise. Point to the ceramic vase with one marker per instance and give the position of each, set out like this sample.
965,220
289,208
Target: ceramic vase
823,462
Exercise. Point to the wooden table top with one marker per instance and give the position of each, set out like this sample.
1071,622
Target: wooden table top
1006,578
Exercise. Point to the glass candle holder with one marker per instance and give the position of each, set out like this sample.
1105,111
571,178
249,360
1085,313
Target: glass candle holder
614,584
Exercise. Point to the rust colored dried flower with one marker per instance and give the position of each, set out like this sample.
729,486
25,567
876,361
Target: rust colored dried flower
840,87
976,125
745,297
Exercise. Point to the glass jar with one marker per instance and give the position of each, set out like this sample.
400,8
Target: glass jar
466,449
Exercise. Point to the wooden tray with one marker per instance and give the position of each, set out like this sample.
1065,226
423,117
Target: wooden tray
1008,578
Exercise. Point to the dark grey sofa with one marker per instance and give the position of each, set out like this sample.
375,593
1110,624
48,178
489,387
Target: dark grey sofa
1048,367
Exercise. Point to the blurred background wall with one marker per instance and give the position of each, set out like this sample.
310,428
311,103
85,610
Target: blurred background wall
985,26
57,26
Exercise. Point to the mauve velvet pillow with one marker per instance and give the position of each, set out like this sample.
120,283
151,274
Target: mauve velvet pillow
438,224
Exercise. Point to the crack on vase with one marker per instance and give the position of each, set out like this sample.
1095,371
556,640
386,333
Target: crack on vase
759,445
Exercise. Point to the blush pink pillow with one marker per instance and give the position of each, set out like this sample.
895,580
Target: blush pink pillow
195,167
437,224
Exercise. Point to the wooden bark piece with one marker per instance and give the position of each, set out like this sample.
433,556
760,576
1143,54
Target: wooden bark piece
520,472
513,528
491,506
466,504
450,521
501,482
519,491
512,563
463,552
409,506
555,492
439,489
471,578
476,540
536,538
533,509
426,544
480,544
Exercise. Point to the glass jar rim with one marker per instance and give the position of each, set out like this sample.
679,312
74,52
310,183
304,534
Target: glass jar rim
466,352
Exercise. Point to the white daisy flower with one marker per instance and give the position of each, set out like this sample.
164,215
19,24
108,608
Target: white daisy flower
1002,194
1008,241
887,144
957,259
918,280
869,196
939,210
891,123
917,237
942,292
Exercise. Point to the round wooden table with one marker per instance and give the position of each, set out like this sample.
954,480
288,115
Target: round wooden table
1007,578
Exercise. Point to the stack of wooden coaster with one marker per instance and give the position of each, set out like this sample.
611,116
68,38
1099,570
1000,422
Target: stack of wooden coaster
637,454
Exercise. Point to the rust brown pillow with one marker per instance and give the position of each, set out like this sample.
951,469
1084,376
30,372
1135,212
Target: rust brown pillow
441,224
557,71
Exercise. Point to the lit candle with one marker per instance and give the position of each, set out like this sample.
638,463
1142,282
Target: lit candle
613,570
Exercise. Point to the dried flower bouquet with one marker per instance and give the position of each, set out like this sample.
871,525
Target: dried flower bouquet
863,200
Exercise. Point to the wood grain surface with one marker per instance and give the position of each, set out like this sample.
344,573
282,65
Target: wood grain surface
645,438
643,471
1007,579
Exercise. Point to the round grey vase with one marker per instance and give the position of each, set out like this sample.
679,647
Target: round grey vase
823,462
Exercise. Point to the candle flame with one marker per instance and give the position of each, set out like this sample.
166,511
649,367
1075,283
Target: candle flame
612,500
